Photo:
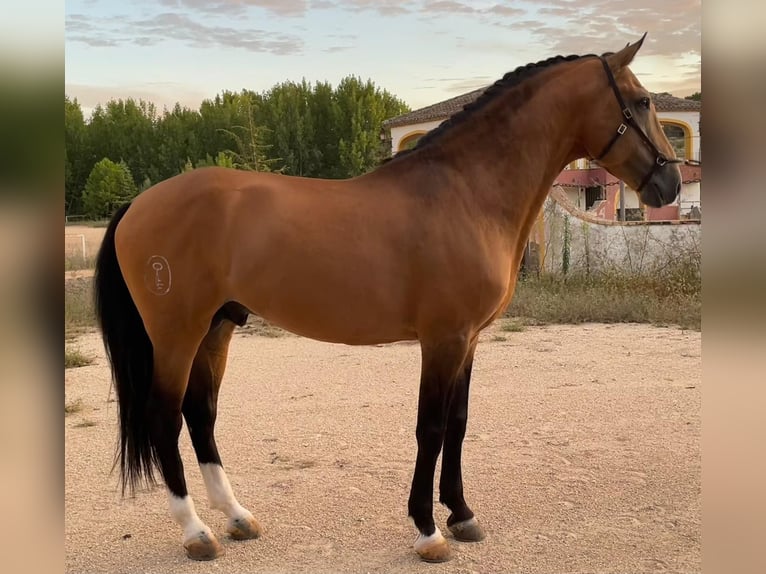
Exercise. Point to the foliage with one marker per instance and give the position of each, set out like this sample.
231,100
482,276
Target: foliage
696,96
74,358
294,128
671,296
109,184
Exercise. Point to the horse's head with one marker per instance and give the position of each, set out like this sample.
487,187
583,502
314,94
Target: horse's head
623,133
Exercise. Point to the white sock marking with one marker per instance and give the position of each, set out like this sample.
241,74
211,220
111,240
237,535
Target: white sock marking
183,512
425,541
219,492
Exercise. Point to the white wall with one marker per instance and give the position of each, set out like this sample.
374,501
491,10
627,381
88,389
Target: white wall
632,248
400,132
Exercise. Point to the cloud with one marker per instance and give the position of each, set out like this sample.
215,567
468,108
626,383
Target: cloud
592,26
335,49
442,6
459,85
236,7
501,10
462,86
153,30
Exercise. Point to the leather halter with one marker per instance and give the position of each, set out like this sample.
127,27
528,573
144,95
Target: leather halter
630,121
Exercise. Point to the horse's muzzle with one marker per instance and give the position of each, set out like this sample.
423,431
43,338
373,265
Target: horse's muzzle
663,187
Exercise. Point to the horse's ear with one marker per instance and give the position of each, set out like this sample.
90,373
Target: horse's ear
625,56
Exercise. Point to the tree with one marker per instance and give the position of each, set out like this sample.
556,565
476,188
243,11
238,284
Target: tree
76,165
126,130
109,185
178,138
696,96
221,160
248,137
360,111
286,111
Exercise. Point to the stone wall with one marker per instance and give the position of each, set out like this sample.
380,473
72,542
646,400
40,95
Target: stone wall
574,241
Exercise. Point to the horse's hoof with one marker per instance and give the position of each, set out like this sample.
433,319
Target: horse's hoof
244,528
434,548
468,530
204,546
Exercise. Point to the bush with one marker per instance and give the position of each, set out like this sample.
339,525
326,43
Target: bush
109,185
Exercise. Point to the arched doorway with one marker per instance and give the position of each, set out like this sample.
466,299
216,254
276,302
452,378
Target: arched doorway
679,135
410,140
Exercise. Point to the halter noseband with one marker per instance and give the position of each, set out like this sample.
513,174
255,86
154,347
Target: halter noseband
660,158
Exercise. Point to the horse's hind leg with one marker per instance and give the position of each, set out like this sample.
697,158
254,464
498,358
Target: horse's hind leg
461,522
172,366
199,409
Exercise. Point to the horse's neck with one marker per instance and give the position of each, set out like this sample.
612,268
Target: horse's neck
503,160
509,158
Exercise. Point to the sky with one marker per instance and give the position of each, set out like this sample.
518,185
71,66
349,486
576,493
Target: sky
422,51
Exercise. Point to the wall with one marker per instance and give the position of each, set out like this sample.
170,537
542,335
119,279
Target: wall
600,245
400,132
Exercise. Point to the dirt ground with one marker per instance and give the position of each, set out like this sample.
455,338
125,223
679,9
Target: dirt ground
582,455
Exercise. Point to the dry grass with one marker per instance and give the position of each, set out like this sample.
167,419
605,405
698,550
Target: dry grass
74,358
79,313
667,297
512,326
73,407
85,424
76,262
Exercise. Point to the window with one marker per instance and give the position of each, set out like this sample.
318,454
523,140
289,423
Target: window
592,195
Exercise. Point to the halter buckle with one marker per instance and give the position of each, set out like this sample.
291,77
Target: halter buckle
627,113
622,129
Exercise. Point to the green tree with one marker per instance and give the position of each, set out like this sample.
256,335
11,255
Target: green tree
251,152
178,138
76,164
696,96
286,111
360,111
109,185
221,160
124,130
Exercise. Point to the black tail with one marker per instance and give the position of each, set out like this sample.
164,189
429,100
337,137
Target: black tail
130,354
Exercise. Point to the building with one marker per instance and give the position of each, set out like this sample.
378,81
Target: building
589,187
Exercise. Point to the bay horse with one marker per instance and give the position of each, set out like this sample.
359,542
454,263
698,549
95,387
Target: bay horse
425,247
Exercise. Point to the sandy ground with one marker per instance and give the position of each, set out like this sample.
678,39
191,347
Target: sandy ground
582,455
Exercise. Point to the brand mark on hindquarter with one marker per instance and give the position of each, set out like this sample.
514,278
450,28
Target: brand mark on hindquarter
157,277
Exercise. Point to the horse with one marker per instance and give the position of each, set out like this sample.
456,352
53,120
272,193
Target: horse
424,247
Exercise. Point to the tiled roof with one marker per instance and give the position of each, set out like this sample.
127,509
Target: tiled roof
438,111
663,102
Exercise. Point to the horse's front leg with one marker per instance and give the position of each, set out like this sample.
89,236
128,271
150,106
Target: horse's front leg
461,522
441,363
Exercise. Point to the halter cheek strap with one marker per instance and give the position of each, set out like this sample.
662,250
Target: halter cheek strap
630,121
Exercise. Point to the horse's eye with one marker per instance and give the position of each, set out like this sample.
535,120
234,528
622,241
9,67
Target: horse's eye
645,103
